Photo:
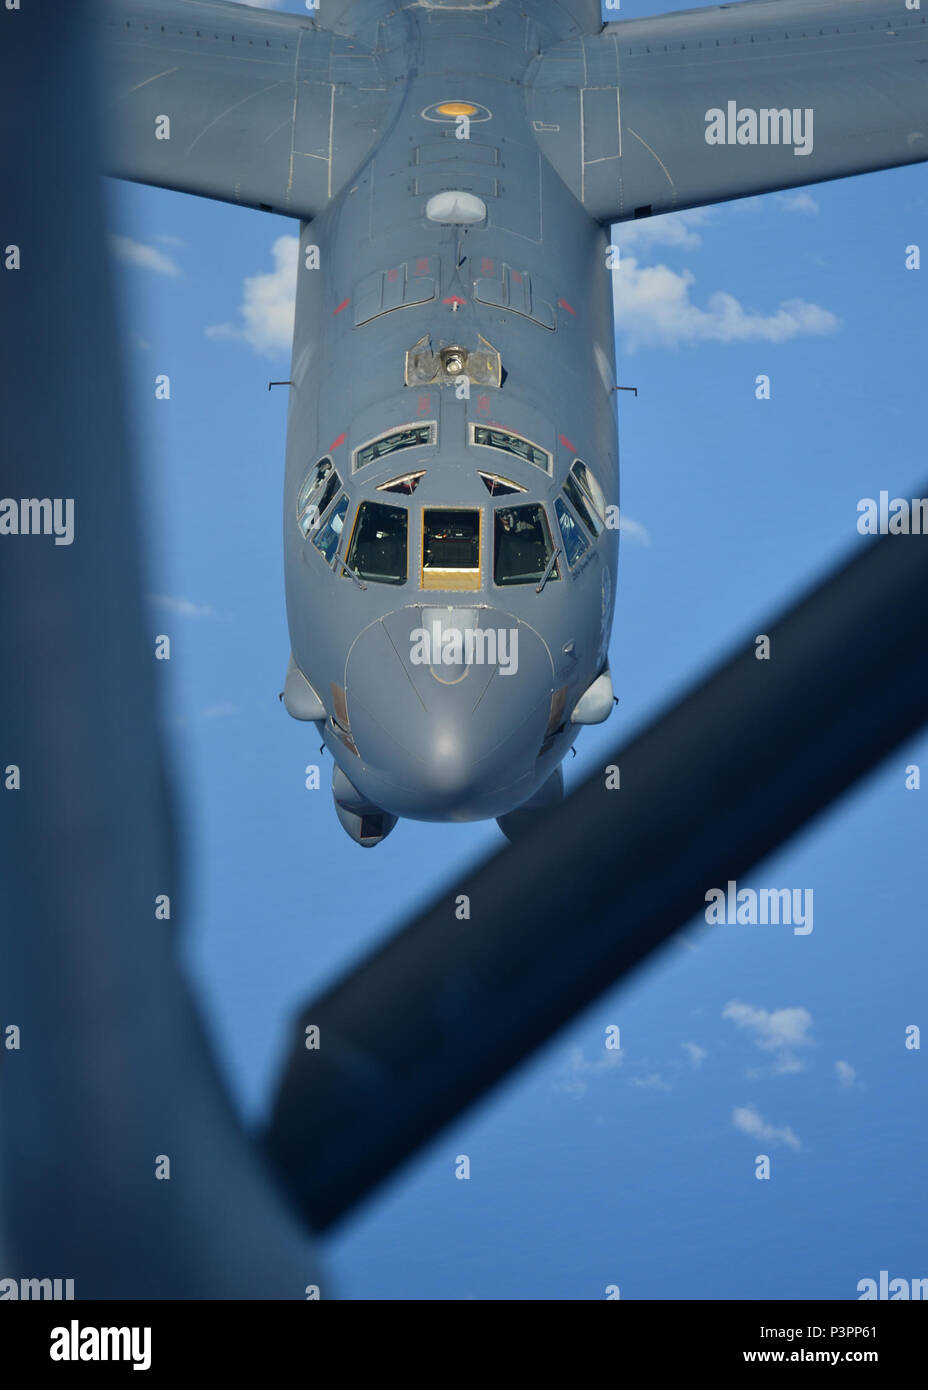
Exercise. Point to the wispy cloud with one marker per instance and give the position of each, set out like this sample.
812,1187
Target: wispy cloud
267,305
654,308
182,607
146,257
847,1076
652,1082
575,1076
671,229
696,1054
750,1121
779,1031
797,202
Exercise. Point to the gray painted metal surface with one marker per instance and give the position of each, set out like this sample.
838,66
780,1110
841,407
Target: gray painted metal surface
630,103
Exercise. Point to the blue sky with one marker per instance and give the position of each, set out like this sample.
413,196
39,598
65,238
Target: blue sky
588,1168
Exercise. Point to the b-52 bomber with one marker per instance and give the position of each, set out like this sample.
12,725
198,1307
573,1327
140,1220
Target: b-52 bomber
451,487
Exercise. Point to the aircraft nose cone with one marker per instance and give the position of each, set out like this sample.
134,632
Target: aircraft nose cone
448,707
448,759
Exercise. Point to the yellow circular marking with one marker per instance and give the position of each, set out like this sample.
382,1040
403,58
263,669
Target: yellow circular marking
456,108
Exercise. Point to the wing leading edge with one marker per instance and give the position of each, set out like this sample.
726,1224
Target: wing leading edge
263,109
788,92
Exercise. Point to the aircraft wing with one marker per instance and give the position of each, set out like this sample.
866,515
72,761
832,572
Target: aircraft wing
624,115
264,109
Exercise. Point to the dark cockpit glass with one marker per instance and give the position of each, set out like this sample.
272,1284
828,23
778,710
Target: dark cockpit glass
521,544
407,483
583,505
497,486
410,437
317,493
452,539
575,542
378,543
326,540
507,443
450,548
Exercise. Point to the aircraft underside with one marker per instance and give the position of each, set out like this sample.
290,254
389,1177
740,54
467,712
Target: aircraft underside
451,506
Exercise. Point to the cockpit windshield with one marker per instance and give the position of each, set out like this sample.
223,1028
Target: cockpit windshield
521,544
378,543
450,548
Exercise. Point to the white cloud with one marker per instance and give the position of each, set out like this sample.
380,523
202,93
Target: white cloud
847,1076
749,1121
146,257
670,229
267,304
788,1065
182,607
772,1028
696,1054
575,1076
653,308
169,239
652,1082
778,1031
797,202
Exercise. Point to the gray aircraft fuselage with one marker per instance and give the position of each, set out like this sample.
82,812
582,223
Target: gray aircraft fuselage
451,500
414,734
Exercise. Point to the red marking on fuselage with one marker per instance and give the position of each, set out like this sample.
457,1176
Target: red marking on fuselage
566,443
564,305
486,266
422,265
336,442
344,305
454,300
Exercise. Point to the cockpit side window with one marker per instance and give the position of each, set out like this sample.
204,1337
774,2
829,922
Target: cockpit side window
378,543
521,545
582,489
319,489
326,539
408,437
575,542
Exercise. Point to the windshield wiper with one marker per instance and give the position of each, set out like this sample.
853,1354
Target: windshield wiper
547,574
356,577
